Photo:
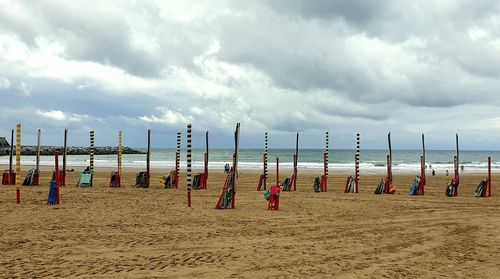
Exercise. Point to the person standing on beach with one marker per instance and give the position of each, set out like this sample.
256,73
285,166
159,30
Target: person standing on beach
433,172
446,172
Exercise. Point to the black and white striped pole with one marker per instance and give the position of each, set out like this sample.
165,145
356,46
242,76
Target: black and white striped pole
265,160
188,156
356,162
91,151
326,162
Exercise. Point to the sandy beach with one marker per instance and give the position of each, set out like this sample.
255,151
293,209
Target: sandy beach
101,232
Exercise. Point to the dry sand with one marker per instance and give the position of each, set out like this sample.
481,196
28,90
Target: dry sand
150,233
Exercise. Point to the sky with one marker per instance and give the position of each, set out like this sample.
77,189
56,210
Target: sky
408,67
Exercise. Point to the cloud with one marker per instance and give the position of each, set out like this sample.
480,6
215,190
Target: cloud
58,115
4,83
168,117
24,90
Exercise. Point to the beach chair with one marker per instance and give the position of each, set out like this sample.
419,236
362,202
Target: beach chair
227,197
451,189
8,177
273,196
317,184
60,177
85,180
350,186
51,200
414,186
260,184
115,180
170,180
484,187
287,183
30,178
141,180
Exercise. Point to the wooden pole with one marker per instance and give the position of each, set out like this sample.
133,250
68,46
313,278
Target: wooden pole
188,156
65,151
295,163
177,159
38,151
422,174
56,176
489,176
235,162
206,160
148,158
91,152
277,171
11,154
457,177
389,162
18,163
423,159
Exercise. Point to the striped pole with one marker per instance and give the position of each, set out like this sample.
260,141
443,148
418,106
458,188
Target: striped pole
148,159
18,163
120,150
356,162
188,156
326,155
177,159
325,159
38,151
91,151
265,160
65,151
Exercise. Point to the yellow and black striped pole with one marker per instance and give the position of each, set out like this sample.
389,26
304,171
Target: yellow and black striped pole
18,163
188,157
91,151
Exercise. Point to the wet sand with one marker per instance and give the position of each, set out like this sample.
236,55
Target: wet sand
101,232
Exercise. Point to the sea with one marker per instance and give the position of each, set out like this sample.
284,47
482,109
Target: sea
341,160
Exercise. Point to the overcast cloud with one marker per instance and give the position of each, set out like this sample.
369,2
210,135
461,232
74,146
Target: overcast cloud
408,67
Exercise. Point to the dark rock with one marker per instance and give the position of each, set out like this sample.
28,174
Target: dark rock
4,142
71,150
